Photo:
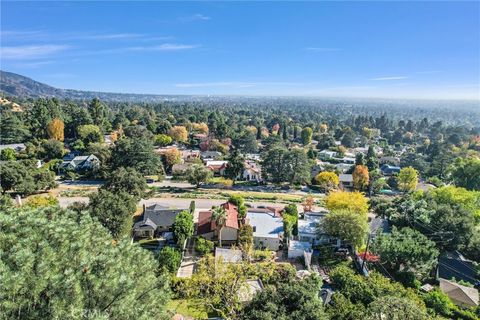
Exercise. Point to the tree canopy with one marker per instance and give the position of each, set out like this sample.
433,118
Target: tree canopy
59,265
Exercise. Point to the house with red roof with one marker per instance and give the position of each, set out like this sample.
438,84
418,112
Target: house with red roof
217,167
208,229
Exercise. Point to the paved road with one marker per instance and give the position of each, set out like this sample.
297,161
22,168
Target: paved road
171,202
98,183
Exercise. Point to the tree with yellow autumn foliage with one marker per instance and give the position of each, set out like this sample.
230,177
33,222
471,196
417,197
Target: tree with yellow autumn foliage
327,180
55,129
178,133
171,156
343,200
201,127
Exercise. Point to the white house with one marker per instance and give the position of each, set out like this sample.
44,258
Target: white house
309,229
327,154
267,228
252,171
80,163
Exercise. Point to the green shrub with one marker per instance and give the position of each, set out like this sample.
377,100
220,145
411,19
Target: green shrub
203,246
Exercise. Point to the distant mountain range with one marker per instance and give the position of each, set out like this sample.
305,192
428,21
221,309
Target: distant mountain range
15,85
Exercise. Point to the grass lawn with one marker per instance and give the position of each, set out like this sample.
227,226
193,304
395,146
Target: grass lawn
190,308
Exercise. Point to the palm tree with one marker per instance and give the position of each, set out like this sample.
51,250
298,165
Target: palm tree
219,215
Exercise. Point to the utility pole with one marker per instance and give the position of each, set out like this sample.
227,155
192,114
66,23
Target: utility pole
365,253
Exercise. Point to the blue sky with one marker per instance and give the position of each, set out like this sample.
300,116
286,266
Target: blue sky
338,49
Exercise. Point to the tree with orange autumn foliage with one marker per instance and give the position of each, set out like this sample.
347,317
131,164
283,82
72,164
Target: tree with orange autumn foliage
55,129
360,177
308,204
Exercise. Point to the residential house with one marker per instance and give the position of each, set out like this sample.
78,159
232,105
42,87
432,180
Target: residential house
389,160
346,180
309,229
155,219
343,167
267,225
453,265
217,167
327,154
348,160
389,170
190,155
18,147
210,155
80,163
462,296
200,136
378,224
208,229
251,171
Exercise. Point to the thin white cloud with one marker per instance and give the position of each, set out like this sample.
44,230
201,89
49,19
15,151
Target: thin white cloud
173,47
389,78
108,36
33,64
195,17
43,35
31,51
165,47
322,49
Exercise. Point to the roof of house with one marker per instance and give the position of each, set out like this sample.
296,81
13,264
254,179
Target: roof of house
216,164
453,264
158,215
253,166
146,224
210,154
206,224
459,293
228,255
343,177
389,169
14,146
309,224
79,161
378,223
265,224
